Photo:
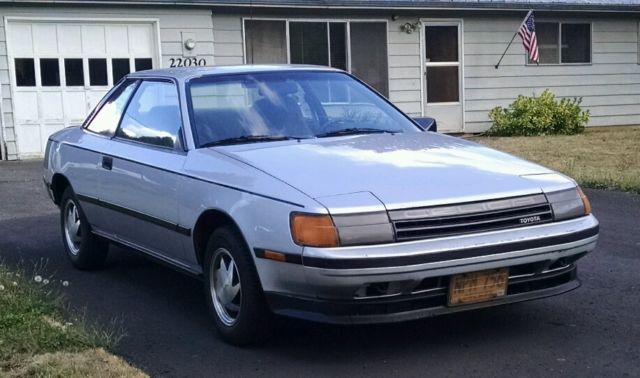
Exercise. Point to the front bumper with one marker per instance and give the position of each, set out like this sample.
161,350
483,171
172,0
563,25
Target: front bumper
416,306
403,281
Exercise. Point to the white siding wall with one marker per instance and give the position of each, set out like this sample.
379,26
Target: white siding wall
227,36
172,22
405,68
610,86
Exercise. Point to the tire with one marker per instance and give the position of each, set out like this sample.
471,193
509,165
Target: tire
238,306
85,250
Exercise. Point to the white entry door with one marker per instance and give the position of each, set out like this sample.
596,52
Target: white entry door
443,74
61,69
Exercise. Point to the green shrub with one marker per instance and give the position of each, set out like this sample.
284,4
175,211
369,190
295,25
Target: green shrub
539,115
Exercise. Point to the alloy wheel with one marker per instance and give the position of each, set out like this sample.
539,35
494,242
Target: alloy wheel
72,229
226,290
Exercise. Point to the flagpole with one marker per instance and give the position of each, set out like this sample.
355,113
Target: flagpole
512,38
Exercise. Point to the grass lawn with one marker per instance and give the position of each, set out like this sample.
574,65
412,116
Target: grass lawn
603,157
39,337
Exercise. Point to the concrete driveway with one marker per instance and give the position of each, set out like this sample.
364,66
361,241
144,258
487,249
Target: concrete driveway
593,331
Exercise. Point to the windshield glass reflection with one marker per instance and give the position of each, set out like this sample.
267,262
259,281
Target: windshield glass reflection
288,105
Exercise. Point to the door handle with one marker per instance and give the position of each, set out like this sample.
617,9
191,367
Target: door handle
107,162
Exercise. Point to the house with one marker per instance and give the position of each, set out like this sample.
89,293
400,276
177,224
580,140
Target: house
429,57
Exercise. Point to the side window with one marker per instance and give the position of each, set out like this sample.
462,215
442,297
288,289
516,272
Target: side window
106,120
153,116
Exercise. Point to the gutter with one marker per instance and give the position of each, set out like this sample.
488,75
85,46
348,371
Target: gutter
355,5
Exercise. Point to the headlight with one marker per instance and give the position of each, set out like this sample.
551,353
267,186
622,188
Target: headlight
569,203
315,230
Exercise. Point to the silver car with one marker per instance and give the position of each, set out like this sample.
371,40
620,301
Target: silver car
300,191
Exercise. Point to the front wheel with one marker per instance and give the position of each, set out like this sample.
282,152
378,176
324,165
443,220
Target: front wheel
233,290
85,250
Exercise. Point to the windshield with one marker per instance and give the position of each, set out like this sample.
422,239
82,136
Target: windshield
284,105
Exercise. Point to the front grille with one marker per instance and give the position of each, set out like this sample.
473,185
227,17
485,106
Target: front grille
438,221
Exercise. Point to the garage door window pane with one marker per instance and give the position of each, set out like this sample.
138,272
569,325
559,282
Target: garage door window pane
49,73
119,68
309,43
441,43
576,43
547,34
25,72
153,117
106,120
74,72
266,42
143,64
369,54
98,72
442,84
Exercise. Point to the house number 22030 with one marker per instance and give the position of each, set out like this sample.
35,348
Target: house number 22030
187,62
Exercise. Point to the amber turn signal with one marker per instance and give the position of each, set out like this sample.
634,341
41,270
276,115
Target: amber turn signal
585,202
313,230
277,256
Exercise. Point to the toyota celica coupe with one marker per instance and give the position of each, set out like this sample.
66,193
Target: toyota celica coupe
300,191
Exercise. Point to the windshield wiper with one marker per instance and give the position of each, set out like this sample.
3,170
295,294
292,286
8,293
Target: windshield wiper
357,130
247,139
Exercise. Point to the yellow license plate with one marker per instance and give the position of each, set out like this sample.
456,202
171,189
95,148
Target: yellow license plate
477,287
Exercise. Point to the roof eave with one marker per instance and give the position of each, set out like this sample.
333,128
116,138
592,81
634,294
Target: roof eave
353,5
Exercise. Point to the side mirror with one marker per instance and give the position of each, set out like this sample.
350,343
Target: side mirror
427,123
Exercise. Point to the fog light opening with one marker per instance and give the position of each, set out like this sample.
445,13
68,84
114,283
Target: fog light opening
380,289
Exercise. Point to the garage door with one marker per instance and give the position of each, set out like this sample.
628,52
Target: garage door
60,70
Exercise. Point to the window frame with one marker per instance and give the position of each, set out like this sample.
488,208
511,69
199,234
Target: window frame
180,145
328,21
559,44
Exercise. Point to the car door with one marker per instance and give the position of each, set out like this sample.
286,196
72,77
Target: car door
85,168
140,186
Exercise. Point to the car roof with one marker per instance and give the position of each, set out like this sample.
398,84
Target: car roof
186,73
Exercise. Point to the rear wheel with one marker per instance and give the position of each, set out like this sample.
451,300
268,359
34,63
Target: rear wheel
233,290
85,250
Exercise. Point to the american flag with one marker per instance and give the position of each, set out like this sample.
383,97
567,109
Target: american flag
529,40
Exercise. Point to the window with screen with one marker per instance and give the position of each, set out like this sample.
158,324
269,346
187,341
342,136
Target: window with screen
563,43
358,47
576,43
153,115
309,42
369,54
265,42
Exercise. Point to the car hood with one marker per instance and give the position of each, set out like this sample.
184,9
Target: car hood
401,170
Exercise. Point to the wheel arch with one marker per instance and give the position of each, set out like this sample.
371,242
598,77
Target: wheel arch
59,183
209,221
